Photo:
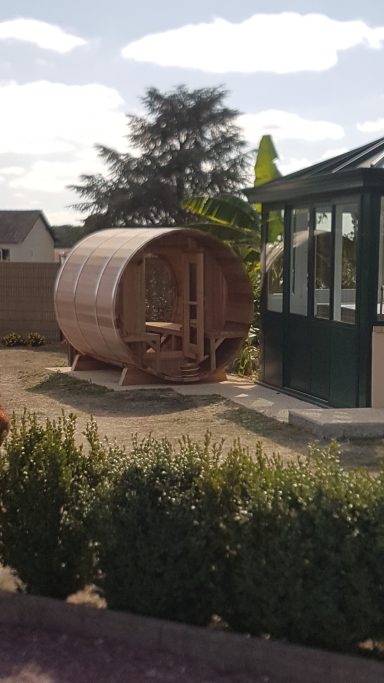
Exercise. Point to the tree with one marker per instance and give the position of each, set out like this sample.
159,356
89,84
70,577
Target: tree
233,219
188,142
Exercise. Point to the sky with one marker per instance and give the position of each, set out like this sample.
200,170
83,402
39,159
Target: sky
310,73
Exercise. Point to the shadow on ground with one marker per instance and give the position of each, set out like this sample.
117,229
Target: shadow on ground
100,401
368,453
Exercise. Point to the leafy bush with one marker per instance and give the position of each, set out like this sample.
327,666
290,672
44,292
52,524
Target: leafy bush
161,532
12,339
310,552
246,364
15,339
295,551
47,489
35,339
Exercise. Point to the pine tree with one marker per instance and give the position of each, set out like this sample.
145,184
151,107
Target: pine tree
186,144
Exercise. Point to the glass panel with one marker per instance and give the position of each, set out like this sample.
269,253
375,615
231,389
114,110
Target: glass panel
275,260
323,261
347,218
380,289
299,261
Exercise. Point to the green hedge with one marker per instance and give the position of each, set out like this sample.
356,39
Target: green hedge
294,551
48,486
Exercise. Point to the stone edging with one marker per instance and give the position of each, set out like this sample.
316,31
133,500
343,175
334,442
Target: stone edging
278,662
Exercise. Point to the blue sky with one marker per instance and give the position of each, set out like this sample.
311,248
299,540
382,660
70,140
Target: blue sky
309,73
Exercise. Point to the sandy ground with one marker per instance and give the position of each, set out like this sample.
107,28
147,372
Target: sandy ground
25,382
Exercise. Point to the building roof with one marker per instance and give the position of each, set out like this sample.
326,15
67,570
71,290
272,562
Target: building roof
16,225
363,166
367,156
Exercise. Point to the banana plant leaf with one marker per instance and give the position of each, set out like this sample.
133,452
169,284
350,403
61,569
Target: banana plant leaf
225,209
265,167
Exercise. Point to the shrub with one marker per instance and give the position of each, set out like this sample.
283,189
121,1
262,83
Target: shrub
310,553
293,551
35,339
12,339
162,531
246,364
47,488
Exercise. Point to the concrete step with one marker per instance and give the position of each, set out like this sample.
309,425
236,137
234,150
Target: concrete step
340,423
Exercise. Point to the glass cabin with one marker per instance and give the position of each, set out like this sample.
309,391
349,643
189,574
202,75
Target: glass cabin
322,307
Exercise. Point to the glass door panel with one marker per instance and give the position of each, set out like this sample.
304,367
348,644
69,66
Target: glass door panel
274,260
323,262
346,226
298,300
380,288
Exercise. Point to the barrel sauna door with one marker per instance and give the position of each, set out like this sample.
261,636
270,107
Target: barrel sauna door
193,327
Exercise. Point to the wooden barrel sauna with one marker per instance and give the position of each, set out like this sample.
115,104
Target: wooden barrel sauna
172,302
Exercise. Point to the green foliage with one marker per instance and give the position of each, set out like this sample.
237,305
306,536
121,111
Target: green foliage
66,236
15,339
12,339
293,550
48,486
161,532
265,167
35,339
233,219
188,142
246,363
310,553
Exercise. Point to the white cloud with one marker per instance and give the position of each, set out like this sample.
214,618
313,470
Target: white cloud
46,118
284,125
53,176
329,153
291,164
42,119
63,217
40,33
371,126
12,170
279,43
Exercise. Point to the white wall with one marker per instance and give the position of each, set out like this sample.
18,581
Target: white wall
37,246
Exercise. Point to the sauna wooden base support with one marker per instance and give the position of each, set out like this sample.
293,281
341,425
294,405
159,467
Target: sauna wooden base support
134,376
83,362
131,376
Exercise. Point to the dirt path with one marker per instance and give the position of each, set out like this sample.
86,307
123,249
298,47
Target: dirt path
40,657
26,383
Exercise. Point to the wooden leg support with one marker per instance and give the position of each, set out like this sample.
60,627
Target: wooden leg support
83,362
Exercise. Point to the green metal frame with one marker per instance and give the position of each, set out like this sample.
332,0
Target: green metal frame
325,360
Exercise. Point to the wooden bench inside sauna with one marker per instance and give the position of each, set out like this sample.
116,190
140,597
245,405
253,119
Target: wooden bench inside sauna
168,303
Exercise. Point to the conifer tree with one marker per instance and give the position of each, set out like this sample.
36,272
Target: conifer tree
187,143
